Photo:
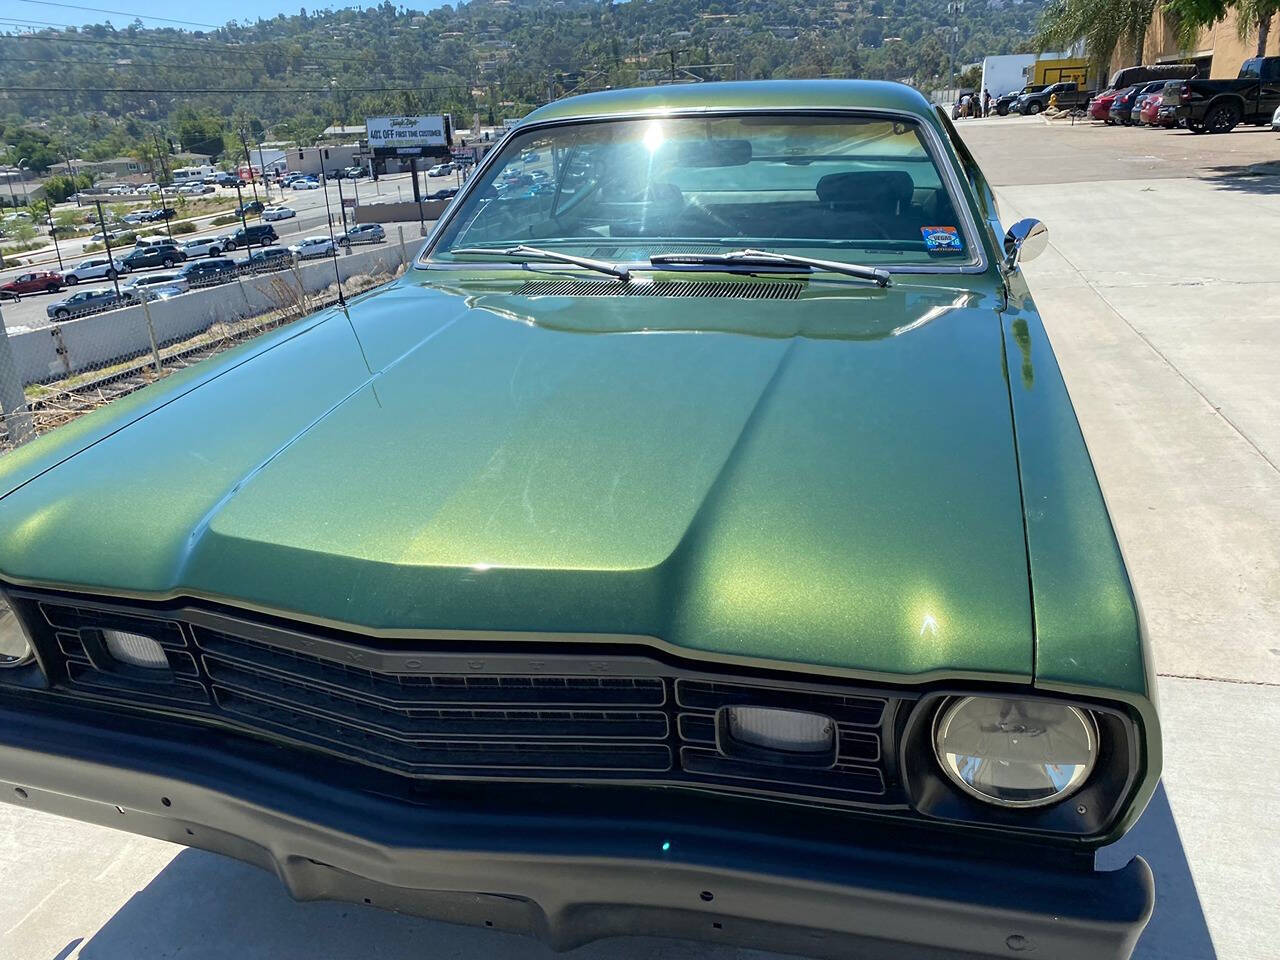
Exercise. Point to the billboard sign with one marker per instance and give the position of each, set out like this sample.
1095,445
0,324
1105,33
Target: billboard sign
409,136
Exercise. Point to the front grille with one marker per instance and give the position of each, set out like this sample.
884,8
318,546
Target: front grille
741,290
580,716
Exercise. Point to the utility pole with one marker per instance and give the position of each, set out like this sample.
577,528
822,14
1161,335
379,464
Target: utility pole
248,160
955,8
342,203
243,223
53,231
106,238
164,175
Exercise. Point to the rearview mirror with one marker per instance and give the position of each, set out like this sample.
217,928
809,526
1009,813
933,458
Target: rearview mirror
1025,240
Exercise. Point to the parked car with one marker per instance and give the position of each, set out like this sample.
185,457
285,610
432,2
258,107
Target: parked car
225,179
146,285
95,268
195,189
440,170
82,301
149,188
34,281
1069,96
150,240
1002,103
250,208
203,273
444,193
269,258
204,247
254,235
1275,120
138,216
101,237
1125,102
279,213
309,247
363,233
1099,106
159,216
154,255
304,183
1217,106
1148,112
800,626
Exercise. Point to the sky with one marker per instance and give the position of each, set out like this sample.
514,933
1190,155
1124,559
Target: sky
17,14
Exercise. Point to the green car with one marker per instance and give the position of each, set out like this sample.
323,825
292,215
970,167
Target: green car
702,545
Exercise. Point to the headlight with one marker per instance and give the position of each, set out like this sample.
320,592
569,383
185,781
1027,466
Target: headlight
15,648
1015,753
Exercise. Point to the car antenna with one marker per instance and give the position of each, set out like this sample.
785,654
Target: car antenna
333,244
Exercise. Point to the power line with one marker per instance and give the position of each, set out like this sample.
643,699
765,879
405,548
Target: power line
119,13
198,47
160,90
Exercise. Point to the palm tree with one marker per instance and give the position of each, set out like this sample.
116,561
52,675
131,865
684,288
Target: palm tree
1103,25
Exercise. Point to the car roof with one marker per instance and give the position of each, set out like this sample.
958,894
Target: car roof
743,95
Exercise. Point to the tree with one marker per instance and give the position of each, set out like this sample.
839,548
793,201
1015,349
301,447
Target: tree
1192,16
1103,25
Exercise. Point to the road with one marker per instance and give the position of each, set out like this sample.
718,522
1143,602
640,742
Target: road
1164,317
313,219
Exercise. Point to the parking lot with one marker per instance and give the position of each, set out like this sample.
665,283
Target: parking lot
312,219
1161,294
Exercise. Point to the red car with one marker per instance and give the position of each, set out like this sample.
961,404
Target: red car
1100,106
41,281
1150,111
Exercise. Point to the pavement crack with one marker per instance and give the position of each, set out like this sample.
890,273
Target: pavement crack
1197,676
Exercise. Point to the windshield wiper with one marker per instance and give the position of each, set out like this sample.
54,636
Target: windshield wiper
766,258
537,253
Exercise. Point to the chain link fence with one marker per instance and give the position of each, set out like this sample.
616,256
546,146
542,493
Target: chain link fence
94,346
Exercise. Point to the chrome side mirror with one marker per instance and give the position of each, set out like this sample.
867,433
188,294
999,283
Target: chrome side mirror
1025,240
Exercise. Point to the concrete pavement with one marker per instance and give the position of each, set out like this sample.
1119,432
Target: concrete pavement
1164,310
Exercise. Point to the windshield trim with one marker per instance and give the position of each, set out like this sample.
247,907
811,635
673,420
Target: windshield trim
942,160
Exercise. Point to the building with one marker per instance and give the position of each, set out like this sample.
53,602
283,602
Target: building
309,159
269,159
1218,50
117,168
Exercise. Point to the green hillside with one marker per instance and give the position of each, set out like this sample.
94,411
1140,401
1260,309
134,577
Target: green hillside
98,92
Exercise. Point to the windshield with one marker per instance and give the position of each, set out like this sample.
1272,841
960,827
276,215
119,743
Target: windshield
840,187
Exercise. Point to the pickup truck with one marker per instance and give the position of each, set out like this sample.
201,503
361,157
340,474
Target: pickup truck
1217,106
1071,96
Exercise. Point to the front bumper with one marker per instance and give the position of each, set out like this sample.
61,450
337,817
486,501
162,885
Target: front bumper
580,864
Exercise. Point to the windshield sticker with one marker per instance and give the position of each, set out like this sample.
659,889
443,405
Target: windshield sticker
942,240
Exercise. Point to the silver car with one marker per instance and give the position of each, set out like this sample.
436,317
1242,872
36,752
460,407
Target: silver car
83,301
363,233
205,247
150,285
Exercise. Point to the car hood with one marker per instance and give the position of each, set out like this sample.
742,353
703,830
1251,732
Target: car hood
824,481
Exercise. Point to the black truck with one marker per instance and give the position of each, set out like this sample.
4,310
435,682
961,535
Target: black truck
1070,96
1216,106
